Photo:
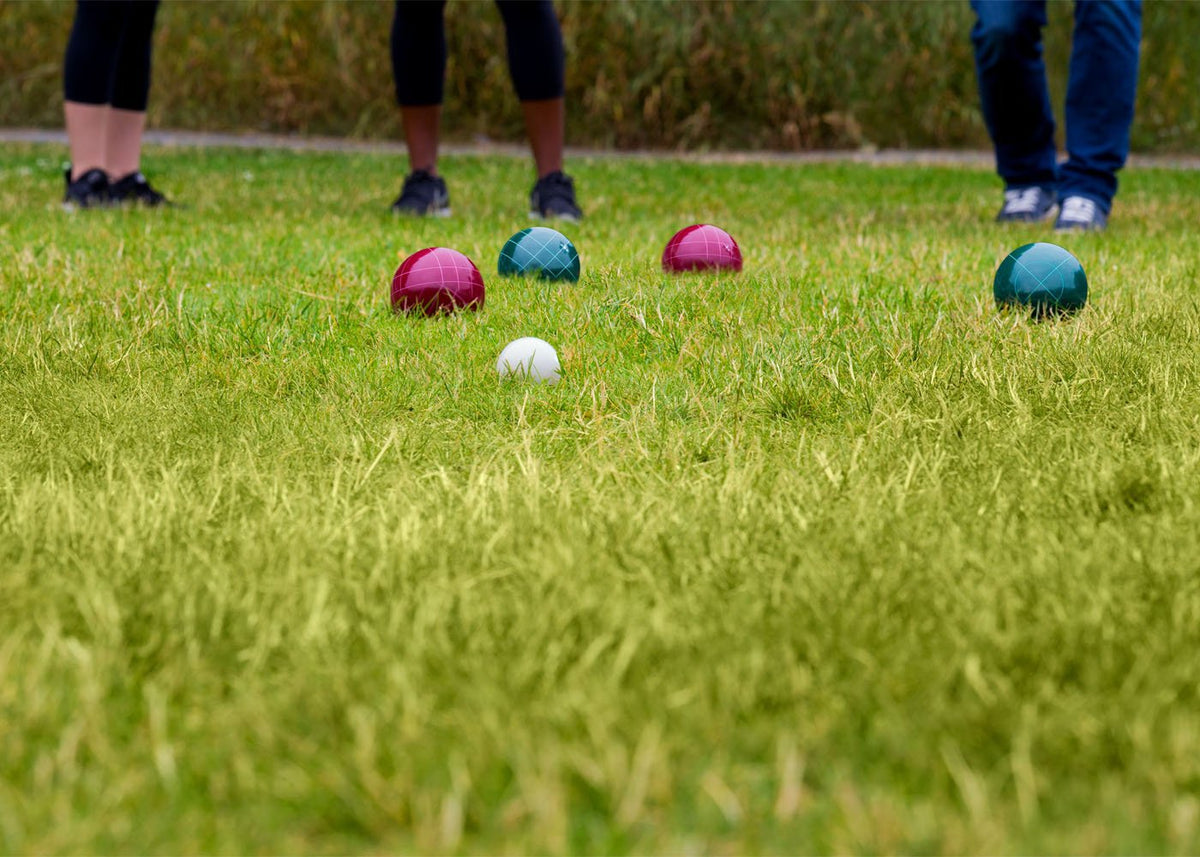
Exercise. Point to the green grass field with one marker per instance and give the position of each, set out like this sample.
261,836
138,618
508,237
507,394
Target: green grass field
828,556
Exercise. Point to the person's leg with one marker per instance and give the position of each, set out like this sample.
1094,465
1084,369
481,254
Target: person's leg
1012,90
88,71
536,61
418,70
123,149
87,132
545,121
130,91
1100,97
422,129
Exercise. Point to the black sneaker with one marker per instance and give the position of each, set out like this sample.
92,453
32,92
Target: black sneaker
90,190
423,194
136,190
554,196
1027,205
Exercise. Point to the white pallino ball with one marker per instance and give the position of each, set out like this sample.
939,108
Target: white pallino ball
529,358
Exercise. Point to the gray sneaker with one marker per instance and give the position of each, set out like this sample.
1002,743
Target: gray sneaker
1027,205
1080,214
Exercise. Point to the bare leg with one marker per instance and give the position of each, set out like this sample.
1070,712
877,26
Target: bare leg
421,130
87,136
124,151
545,121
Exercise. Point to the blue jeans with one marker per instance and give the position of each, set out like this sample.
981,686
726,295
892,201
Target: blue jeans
1100,93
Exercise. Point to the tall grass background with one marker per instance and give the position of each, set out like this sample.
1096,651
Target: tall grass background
675,75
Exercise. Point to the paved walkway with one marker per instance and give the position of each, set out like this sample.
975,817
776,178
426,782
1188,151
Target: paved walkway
881,157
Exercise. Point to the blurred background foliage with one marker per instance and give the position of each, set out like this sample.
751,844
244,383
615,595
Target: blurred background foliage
671,74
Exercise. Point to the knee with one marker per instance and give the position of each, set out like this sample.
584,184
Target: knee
999,37
521,13
418,15
1121,22
101,20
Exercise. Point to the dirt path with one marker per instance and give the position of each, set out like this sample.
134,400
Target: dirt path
883,157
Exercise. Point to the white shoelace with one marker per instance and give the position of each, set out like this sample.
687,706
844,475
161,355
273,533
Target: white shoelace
1078,209
1024,201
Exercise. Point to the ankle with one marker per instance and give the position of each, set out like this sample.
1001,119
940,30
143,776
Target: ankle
79,172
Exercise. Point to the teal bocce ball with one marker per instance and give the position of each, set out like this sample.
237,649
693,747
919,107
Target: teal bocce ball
540,252
1044,277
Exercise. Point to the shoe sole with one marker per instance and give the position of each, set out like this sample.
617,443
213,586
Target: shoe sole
569,218
437,212
125,205
1051,214
137,203
72,207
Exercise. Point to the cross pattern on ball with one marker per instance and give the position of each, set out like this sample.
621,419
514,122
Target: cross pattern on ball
702,247
542,251
452,275
437,279
1041,280
546,242
1041,275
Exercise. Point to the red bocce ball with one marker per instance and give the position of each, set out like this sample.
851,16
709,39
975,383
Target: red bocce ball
702,248
436,280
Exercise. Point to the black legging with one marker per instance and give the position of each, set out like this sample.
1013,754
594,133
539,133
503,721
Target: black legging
108,55
535,50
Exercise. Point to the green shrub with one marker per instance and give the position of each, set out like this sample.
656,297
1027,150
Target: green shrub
692,75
